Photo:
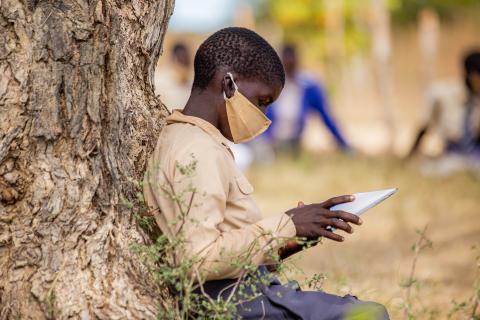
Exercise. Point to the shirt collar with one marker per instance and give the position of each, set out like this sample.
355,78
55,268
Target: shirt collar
177,116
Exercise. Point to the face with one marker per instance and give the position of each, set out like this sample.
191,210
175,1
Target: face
256,91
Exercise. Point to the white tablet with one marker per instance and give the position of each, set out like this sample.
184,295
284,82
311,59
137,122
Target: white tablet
363,201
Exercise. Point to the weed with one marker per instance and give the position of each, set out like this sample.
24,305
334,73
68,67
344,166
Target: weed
422,243
177,277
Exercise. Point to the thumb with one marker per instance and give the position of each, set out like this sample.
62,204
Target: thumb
300,204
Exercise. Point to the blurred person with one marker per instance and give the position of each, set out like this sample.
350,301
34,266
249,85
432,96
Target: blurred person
471,124
237,75
300,97
174,82
453,113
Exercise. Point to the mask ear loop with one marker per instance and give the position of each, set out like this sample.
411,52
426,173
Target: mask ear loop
234,85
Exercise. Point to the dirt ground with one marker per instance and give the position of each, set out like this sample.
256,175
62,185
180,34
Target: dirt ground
374,261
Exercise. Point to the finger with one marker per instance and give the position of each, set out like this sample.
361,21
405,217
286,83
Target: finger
331,235
300,204
348,217
337,200
340,224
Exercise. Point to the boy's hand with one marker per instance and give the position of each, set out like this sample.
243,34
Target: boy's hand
311,220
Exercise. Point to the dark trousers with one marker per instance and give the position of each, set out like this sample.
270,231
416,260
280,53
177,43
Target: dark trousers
277,301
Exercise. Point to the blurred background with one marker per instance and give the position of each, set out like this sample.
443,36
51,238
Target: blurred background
379,93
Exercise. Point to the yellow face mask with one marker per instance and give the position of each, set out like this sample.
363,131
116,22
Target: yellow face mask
246,121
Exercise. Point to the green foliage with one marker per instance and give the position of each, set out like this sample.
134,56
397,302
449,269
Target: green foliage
316,281
50,302
364,312
316,23
309,21
460,310
405,11
179,283
177,278
408,285
470,307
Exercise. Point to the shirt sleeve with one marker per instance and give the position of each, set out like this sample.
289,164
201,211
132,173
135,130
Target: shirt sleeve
220,254
318,101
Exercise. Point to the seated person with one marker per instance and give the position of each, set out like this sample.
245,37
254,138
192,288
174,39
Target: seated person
237,75
453,113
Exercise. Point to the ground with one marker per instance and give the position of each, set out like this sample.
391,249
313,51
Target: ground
374,261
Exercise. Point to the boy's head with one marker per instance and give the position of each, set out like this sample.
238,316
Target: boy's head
231,60
240,51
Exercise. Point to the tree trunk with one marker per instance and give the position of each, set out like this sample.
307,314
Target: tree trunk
78,118
382,52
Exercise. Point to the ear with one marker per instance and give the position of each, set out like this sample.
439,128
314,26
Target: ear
228,86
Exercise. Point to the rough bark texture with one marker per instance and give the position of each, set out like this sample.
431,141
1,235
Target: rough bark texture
78,117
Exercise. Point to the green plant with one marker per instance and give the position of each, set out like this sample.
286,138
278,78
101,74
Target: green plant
178,279
469,309
422,243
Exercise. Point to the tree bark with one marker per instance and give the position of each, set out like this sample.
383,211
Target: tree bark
78,118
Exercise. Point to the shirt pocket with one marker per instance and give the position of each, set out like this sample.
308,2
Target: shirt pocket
244,187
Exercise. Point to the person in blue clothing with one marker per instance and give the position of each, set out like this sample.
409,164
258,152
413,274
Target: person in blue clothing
300,97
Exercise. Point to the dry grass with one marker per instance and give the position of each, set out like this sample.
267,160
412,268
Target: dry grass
373,261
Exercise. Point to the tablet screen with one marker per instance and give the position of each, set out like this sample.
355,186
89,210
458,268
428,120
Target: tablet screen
364,201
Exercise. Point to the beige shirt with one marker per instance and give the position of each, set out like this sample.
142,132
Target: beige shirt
445,110
223,223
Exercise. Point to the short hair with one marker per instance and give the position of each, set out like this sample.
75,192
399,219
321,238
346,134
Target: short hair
240,50
471,65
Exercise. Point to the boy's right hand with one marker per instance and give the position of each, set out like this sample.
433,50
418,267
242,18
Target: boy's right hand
312,220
